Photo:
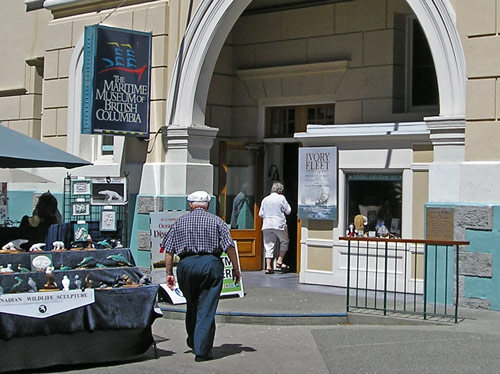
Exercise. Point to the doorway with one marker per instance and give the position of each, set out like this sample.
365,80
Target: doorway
239,196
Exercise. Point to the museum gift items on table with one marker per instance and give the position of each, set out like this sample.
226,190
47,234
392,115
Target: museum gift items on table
68,297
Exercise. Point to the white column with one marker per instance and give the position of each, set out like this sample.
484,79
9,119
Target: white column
448,138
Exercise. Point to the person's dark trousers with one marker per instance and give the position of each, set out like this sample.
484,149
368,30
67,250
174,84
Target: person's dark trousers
200,280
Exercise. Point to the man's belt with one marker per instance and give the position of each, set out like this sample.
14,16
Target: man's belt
188,254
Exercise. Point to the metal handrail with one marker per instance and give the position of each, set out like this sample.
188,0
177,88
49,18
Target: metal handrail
437,272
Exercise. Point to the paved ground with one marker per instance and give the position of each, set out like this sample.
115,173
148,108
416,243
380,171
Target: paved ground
471,346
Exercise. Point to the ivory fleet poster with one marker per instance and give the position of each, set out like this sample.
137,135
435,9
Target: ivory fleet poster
318,183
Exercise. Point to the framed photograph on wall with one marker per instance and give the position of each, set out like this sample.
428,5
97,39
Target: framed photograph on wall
81,208
109,191
81,187
108,220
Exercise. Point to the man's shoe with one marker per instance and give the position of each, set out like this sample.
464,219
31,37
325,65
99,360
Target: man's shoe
202,358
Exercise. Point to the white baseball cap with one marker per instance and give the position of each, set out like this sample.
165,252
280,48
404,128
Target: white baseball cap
199,196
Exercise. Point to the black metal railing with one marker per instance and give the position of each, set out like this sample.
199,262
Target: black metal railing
412,276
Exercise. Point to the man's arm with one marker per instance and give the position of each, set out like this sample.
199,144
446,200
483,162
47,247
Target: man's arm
231,252
169,259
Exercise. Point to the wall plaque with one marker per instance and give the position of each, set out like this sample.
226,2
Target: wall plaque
439,224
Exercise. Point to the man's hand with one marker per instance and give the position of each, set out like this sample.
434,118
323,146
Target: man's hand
236,276
171,281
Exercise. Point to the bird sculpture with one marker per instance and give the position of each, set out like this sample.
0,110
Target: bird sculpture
32,285
65,282
17,286
100,266
78,282
51,281
64,267
86,262
89,283
120,260
22,269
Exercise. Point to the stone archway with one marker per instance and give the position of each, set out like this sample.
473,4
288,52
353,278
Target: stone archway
214,19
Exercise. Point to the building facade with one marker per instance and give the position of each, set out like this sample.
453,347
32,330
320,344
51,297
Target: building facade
405,89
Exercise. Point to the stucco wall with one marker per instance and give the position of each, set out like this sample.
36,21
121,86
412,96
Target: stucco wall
23,45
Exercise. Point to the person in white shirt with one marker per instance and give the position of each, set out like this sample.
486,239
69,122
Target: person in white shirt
272,210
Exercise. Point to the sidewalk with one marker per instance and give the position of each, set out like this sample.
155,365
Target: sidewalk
470,346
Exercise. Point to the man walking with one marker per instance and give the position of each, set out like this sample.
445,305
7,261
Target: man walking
199,238
272,210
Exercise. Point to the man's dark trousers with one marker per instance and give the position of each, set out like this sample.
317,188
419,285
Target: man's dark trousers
200,280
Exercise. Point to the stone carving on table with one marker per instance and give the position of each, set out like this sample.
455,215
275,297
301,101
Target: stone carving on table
145,280
37,247
17,286
64,267
119,282
58,246
78,282
120,260
89,283
65,283
13,246
85,263
51,284
100,266
103,285
21,269
7,269
32,285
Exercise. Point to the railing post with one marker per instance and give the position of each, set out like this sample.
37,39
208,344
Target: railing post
457,282
425,281
348,274
385,280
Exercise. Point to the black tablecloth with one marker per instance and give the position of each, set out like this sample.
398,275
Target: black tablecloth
121,308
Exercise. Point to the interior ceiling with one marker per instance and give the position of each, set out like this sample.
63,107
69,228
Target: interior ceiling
265,6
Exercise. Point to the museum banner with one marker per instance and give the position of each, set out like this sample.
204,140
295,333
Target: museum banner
318,183
116,81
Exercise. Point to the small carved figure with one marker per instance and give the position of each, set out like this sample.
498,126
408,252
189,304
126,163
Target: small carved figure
85,262
78,282
51,281
120,260
119,282
37,247
17,286
32,285
58,246
22,269
65,282
8,269
145,280
1,290
14,245
89,283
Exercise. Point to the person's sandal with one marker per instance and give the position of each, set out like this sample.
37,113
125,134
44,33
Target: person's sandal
269,271
283,268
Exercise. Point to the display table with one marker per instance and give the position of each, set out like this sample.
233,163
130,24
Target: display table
116,326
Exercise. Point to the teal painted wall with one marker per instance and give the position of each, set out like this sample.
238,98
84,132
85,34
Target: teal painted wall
486,242
20,203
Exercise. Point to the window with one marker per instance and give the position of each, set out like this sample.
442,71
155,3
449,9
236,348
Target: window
377,197
422,87
286,120
107,145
